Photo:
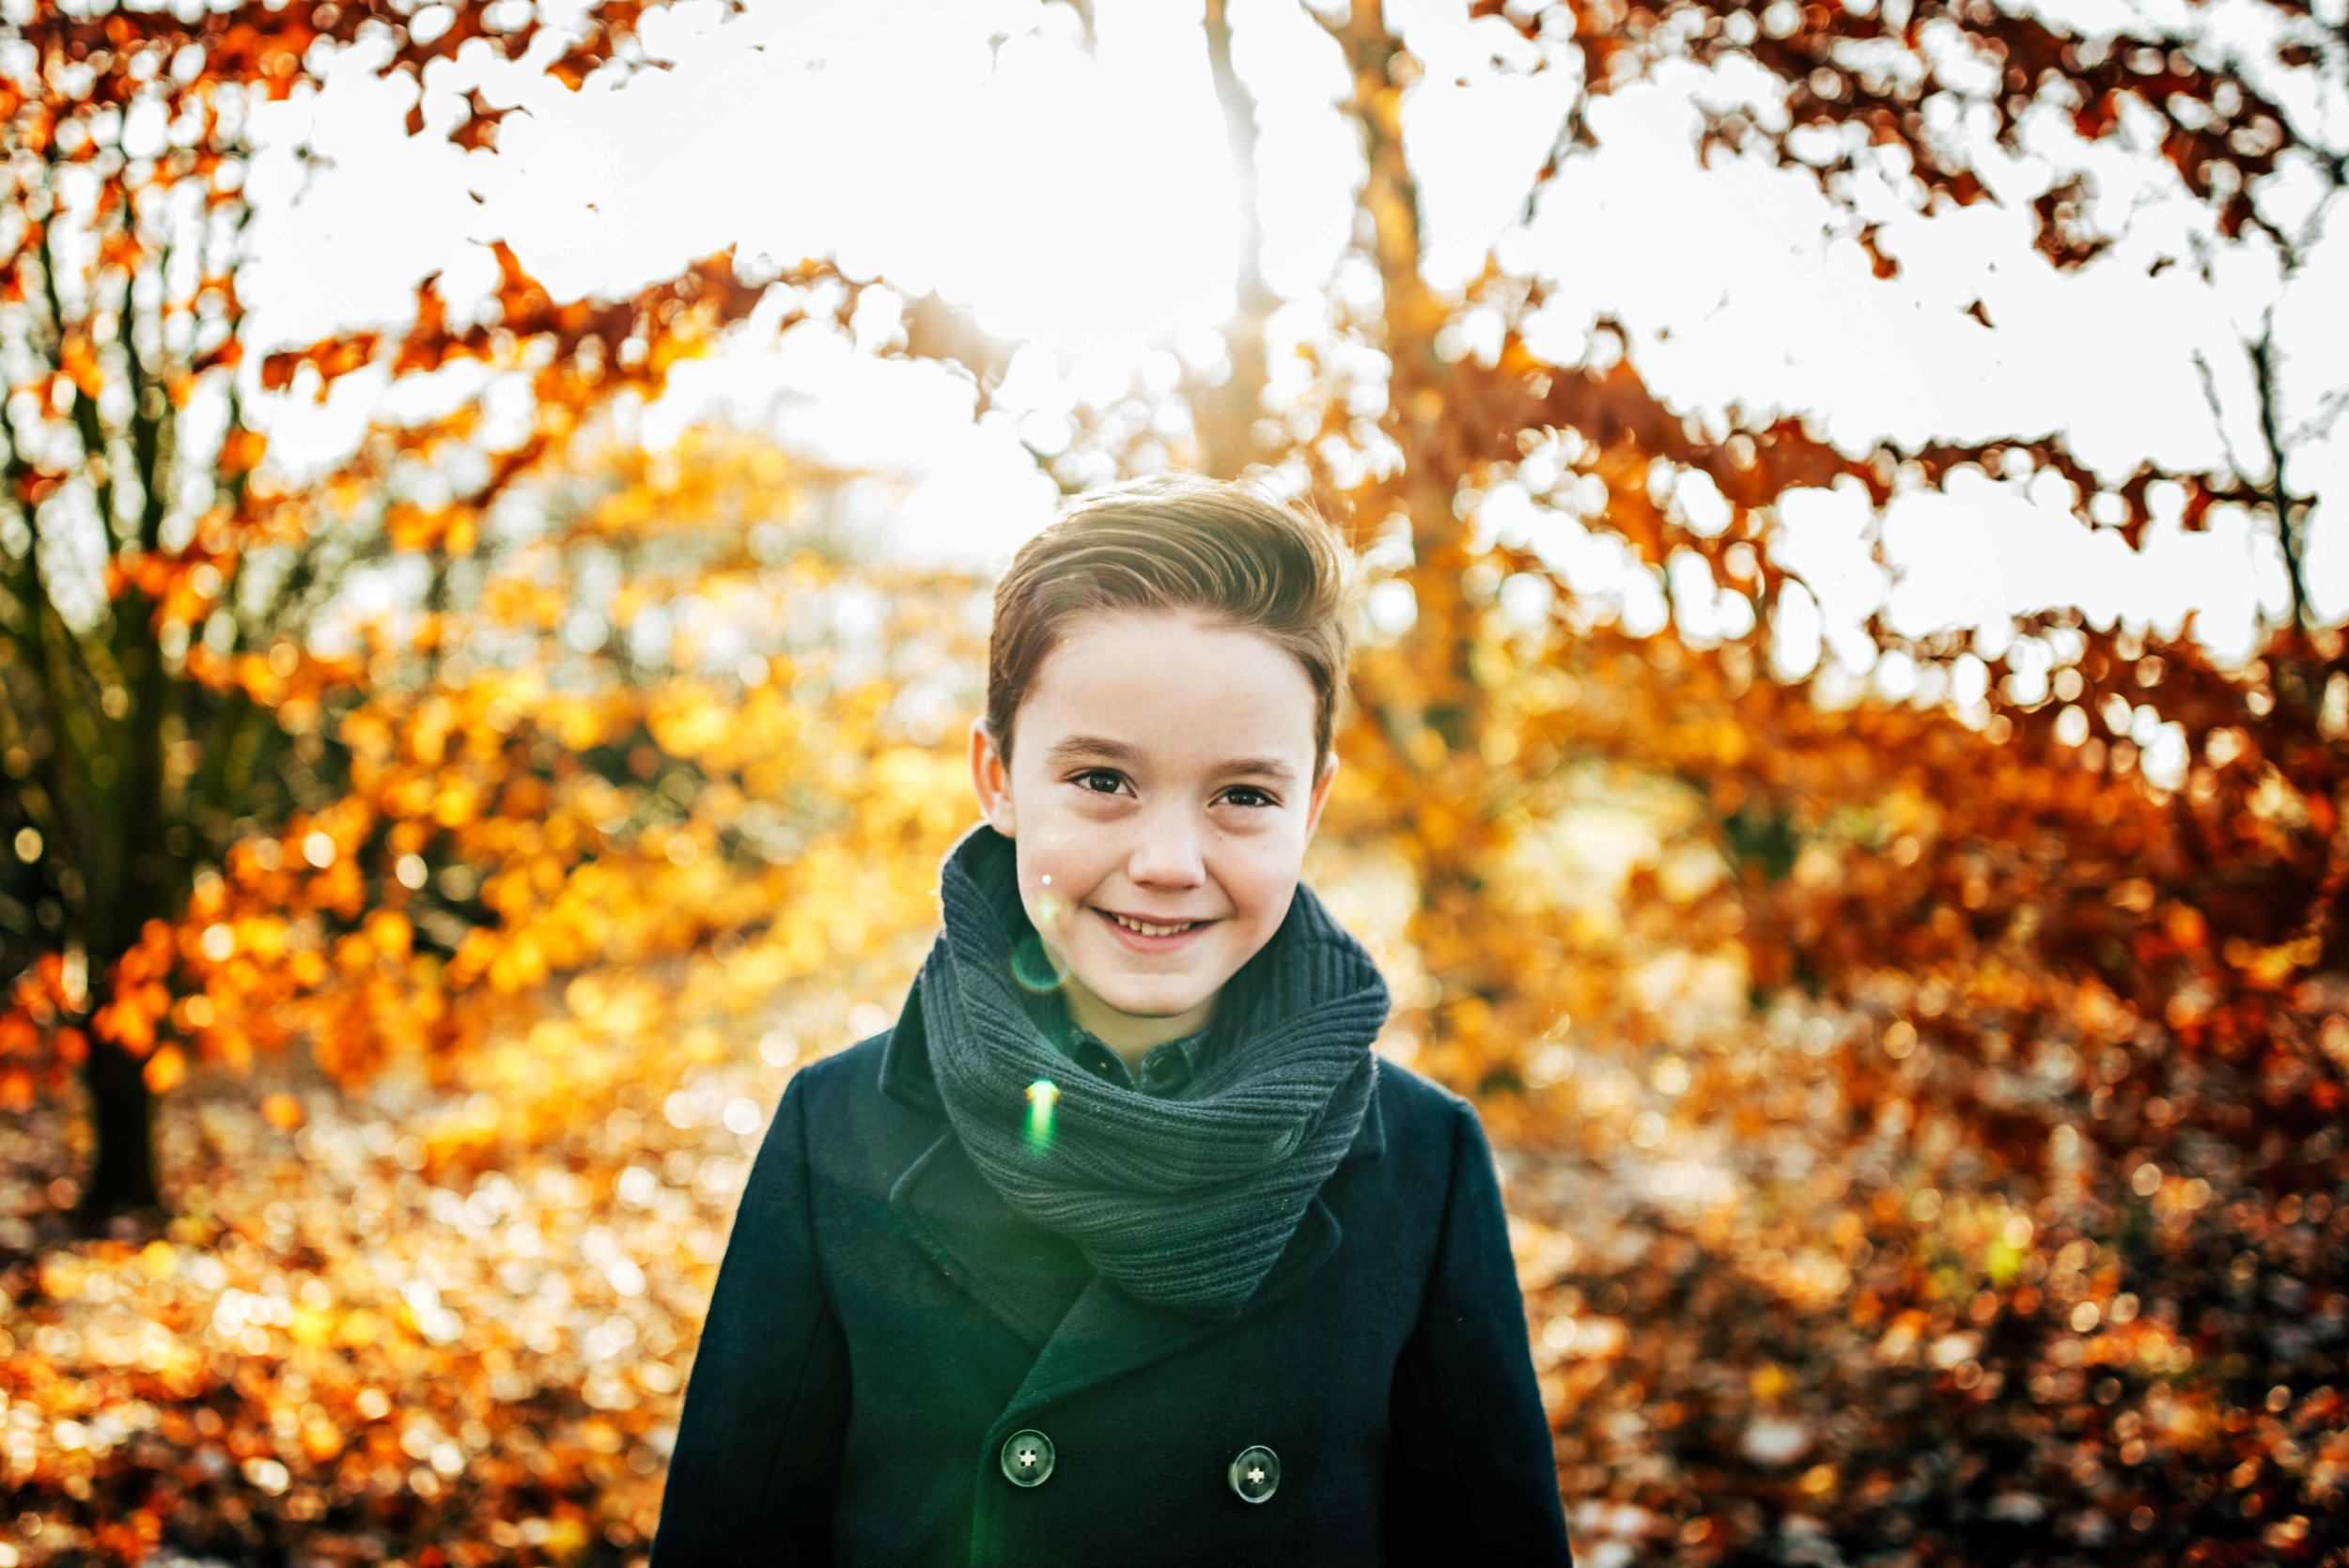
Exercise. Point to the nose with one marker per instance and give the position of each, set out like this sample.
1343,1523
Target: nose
1169,853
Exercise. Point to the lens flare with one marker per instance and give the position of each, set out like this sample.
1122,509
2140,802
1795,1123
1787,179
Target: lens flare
1034,967
1042,1096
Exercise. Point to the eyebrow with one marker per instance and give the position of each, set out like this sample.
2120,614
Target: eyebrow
1256,767
1088,748
1076,748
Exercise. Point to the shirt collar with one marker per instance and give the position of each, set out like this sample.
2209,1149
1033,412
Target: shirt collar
1165,1070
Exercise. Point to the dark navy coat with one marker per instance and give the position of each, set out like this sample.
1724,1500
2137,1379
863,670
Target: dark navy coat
884,1322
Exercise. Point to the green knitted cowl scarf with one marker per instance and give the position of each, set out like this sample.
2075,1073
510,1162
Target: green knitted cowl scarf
1185,1202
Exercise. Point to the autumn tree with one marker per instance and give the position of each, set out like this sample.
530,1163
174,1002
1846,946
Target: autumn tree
165,700
1461,422
671,713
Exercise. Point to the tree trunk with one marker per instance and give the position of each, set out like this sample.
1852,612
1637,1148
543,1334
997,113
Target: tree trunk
122,1167
1225,416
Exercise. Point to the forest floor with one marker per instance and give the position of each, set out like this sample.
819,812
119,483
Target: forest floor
365,1339
377,1333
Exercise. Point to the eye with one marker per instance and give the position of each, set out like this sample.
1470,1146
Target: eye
1247,795
1099,780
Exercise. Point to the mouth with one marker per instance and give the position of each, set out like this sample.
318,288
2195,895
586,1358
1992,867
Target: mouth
1152,931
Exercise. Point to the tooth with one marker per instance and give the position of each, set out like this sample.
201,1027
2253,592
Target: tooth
1145,928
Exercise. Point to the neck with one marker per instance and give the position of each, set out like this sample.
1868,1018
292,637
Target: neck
1131,1036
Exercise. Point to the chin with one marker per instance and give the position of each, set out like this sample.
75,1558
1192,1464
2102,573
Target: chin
1151,1001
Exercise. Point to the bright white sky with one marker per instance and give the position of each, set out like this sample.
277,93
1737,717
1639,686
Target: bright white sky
1084,203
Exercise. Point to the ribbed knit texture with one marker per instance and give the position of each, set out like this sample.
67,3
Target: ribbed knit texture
1185,1202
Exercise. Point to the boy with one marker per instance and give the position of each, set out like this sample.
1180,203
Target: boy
1121,1247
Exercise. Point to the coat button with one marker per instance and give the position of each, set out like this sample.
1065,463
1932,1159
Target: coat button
1027,1458
1255,1475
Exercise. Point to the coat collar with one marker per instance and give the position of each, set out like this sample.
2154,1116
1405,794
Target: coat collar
1084,1329
905,1070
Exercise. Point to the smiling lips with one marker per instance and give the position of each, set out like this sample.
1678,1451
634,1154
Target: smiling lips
1149,929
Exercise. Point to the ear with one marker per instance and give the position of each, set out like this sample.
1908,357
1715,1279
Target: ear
1328,776
990,778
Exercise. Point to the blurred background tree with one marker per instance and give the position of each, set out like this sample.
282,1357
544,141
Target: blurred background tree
167,692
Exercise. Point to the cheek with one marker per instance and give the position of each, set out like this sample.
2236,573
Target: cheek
1054,874
1260,886
1051,851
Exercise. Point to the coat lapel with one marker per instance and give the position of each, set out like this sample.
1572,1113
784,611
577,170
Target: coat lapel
1022,1273
1108,1333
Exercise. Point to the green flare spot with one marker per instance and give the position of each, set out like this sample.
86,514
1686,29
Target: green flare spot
1034,967
1042,1096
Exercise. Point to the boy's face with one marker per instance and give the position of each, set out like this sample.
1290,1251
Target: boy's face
1161,791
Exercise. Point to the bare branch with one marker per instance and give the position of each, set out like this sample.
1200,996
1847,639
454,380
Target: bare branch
2217,414
2280,499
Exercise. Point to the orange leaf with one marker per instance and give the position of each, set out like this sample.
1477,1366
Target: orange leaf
165,1070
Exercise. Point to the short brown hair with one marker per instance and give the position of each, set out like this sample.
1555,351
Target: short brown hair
1178,542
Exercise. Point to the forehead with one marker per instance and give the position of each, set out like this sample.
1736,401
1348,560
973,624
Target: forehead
1172,682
